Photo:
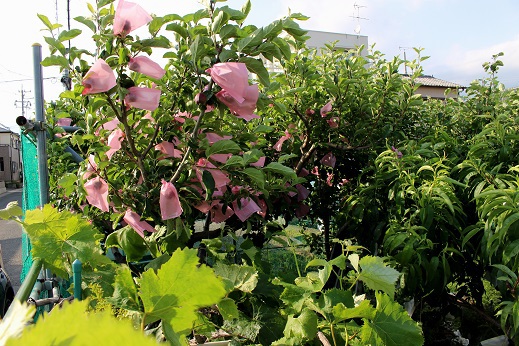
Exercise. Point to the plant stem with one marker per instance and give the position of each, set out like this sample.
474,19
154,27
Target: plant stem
189,149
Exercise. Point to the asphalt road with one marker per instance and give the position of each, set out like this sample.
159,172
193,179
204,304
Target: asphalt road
11,239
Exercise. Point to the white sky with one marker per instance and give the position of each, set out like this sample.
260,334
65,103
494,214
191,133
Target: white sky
458,35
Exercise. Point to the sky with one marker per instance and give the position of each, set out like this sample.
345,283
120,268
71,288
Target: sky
457,35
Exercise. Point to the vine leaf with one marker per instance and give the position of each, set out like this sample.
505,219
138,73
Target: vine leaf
55,233
299,329
86,329
391,325
377,276
178,289
237,277
125,291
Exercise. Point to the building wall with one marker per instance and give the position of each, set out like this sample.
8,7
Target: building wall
436,92
10,158
318,39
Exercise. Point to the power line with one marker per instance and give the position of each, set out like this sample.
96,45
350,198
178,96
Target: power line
23,80
23,102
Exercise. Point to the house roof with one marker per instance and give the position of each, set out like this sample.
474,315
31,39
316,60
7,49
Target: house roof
4,128
430,81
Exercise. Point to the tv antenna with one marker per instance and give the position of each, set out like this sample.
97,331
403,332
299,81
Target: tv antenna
357,16
405,57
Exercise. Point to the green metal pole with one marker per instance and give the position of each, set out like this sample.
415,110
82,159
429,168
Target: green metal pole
41,133
76,277
25,290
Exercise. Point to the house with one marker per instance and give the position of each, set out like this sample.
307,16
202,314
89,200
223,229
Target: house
435,88
10,158
344,42
318,39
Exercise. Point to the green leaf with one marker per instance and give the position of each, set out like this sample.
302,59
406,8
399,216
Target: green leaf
54,60
331,298
293,28
81,331
178,289
13,324
68,35
245,9
225,146
364,310
71,236
209,184
237,277
256,66
250,41
45,20
256,175
277,167
219,21
294,297
228,309
178,29
131,242
11,210
391,325
125,294
300,329
228,31
284,47
511,251
377,276
273,29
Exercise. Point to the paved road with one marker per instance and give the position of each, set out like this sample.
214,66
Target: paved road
11,239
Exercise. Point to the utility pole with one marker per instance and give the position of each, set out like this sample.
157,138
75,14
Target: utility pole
24,102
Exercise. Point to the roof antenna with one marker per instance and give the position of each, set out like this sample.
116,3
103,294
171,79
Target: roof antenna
405,58
358,17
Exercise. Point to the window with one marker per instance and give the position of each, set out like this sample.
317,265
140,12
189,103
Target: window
1,164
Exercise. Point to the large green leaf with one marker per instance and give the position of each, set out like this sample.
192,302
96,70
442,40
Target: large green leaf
364,310
256,175
125,294
71,237
299,329
66,35
225,146
178,289
377,276
237,277
391,325
277,167
72,325
256,66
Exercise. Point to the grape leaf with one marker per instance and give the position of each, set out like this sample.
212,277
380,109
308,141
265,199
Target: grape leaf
178,289
364,310
295,297
72,325
60,237
299,329
391,325
237,277
16,320
125,292
377,276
